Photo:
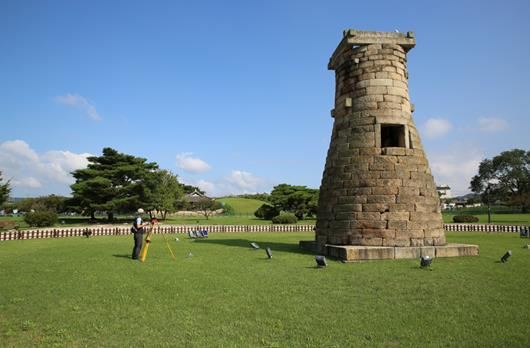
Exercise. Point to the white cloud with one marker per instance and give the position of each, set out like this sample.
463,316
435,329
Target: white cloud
492,124
238,182
35,174
206,186
191,164
29,182
81,103
436,127
244,182
455,168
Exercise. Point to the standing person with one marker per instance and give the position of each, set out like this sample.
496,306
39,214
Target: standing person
138,233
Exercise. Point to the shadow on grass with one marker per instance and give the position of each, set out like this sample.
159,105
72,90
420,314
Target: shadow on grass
122,256
245,243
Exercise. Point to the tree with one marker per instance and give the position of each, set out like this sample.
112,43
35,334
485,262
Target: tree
266,212
5,190
190,189
51,203
207,207
505,177
113,182
298,200
203,205
166,193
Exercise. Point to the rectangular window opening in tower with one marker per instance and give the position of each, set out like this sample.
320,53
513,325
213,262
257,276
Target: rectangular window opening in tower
392,135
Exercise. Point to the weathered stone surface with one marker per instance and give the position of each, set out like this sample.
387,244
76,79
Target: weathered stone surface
450,250
377,188
407,253
366,253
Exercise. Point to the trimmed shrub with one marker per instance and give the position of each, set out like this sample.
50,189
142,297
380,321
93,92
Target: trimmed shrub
43,218
465,218
285,218
266,212
228,209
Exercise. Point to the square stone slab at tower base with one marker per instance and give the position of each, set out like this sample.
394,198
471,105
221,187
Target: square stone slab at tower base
359,253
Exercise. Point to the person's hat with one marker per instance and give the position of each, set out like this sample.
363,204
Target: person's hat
140,211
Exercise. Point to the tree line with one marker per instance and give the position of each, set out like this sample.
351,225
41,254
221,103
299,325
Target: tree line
113,183
116,183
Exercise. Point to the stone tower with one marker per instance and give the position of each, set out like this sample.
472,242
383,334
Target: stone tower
377,188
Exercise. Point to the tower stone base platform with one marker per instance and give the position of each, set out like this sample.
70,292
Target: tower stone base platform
361,253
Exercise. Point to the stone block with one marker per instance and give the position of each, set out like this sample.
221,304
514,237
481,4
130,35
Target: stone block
381,199
381,82
409,191
451,250
379,233
368,215
397,216
375,207
397,225
378,90
421,217
394,151
365,106
389,182
401,207
336,225
403,242
400,84
371,225
367,76
357,253
407,252
344,216
398,91
395,174
372,241
369,98
428,251
383,62
360,191
389,105
361,121
427,208
411,199
416,232
346,208
417,242
385,190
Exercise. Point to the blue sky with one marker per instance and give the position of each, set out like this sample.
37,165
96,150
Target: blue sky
234,96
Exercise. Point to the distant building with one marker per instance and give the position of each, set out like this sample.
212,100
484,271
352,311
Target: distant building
444,191
196,197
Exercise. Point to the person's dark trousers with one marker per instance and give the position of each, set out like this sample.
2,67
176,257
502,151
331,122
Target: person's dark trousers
137,244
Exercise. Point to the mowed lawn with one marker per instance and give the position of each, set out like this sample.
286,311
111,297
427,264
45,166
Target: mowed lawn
497,219
87,292
242,205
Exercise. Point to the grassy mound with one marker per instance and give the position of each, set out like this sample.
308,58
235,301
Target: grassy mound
242,205
87,292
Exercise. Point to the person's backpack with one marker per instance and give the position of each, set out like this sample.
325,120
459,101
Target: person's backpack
134,227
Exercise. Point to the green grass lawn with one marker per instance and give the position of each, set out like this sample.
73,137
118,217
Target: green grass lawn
499,219
87,292
242,205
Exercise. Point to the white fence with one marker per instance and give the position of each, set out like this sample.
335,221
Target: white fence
118,231
125,230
